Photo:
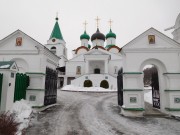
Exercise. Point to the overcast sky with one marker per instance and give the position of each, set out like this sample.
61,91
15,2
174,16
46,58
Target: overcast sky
130,18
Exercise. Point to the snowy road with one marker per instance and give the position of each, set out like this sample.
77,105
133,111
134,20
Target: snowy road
81,113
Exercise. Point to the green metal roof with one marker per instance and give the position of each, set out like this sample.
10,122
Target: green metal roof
85,36
89,46
111,34
6,64
108,46
56,33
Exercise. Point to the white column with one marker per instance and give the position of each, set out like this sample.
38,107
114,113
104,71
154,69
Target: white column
106,66
87,67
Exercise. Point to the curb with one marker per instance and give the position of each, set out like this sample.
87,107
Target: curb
37,110
90,91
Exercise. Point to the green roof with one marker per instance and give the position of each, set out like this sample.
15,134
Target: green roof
6,64
89,46
108,46
111,34
85,36
56,33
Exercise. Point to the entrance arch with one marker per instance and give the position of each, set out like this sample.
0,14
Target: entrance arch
96,71
158,82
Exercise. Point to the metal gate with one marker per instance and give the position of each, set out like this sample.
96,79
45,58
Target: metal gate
155,90
120,87
21,84
50,87
1,81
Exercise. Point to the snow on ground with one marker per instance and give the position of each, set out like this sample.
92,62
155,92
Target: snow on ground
91,89
148,94
22,110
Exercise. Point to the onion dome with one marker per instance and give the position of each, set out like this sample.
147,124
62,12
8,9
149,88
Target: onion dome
111,34
85,36
98,35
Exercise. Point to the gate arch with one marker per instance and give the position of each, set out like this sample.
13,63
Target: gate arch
22,64
161,68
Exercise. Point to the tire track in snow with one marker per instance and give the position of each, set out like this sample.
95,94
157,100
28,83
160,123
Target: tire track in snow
68,122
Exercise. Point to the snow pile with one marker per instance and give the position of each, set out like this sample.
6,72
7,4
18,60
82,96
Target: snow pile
5,66
91,89
148,97
22,111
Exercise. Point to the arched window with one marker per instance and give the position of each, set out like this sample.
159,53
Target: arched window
53,49
87,83
115,70
104,84
78,70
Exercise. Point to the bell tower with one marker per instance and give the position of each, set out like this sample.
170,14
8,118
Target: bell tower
57,45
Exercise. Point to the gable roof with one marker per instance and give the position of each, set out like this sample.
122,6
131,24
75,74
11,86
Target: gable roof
19,31
154,31
6,64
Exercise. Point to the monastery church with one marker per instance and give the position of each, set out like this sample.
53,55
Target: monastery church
97,62
92,65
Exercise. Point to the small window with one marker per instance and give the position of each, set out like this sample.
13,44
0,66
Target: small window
64,51
115,70
151,39
32,98
53,40
78,70
53,49
176,100
133,100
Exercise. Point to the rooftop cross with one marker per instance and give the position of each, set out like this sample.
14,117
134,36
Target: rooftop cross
85,24
97,19
57,16
110,23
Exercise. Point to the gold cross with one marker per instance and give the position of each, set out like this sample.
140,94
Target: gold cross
97,19
57,16
110,23
85,24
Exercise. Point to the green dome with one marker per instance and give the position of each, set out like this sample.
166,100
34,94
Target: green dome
85,36
111,34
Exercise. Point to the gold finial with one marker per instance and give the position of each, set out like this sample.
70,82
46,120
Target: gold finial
97,19
57,16
110,23
85,24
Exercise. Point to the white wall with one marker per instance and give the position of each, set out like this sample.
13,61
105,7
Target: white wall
96,80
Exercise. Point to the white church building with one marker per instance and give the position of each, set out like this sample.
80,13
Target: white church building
93,65
99,64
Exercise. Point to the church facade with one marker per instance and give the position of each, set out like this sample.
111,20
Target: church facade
99,64
93,65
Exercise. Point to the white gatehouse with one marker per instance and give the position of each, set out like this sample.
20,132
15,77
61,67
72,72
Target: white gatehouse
152,47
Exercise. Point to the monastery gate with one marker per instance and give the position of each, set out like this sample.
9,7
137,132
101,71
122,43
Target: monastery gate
150,48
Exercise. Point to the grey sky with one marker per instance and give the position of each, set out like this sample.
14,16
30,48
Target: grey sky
130,18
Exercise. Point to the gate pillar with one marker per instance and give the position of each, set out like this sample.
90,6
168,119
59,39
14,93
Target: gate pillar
133,95
9,70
